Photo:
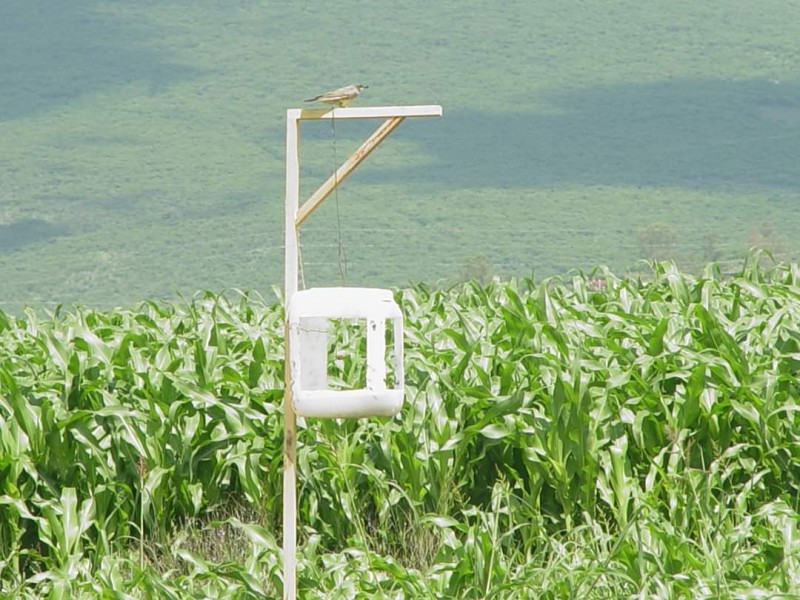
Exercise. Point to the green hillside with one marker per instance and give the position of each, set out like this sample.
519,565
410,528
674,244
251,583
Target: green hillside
141,144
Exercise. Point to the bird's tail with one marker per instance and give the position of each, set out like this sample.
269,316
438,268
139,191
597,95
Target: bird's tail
312,99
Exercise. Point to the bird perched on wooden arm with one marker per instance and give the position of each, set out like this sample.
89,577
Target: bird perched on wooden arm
341,97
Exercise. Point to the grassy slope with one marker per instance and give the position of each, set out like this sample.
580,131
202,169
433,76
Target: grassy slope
142,144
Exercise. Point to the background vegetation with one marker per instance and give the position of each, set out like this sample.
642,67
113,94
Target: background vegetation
592,438
588,437
142,143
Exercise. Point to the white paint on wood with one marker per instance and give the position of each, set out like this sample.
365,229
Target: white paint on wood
364,112
289,419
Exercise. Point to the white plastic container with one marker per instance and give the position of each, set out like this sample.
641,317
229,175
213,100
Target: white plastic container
310,313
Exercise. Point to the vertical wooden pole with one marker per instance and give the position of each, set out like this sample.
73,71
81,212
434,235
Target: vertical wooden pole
289,418
294,219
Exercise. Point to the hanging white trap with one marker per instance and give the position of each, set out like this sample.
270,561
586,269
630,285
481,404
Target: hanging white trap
312,314
376,316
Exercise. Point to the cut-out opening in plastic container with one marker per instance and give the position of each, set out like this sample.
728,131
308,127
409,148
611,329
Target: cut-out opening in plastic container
346,352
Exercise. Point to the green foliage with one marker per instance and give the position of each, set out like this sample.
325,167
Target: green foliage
595,437
147,416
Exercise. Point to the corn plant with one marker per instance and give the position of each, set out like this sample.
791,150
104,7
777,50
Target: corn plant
561,438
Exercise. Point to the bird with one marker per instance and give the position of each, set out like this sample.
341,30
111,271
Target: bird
341,97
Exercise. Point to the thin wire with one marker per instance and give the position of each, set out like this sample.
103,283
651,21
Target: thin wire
342,255
300,265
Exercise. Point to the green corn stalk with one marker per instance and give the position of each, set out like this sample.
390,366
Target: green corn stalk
558,439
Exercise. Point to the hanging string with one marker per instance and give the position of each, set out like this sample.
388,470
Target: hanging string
342,255
300,262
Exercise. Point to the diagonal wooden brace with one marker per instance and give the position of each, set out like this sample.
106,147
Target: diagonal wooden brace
347,167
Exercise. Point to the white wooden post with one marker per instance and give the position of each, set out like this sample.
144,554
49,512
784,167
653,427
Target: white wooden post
376,341
289,418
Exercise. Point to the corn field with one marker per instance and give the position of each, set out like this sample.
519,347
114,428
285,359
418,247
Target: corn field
591,437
